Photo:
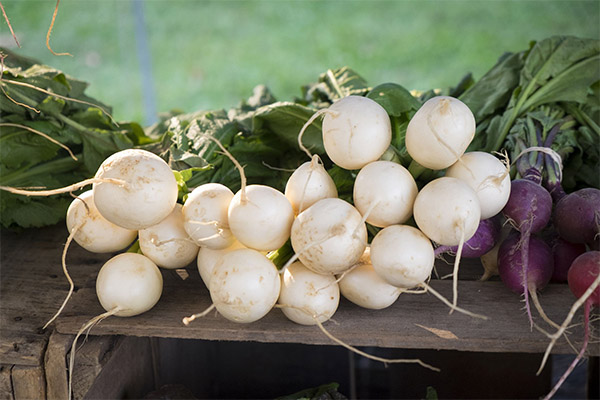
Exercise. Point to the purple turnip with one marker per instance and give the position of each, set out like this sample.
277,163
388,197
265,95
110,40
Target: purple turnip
577,216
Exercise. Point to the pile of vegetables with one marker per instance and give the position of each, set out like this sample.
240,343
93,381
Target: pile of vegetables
348,190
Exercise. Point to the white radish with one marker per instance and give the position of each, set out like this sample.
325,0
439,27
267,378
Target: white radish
260,217
307,297
147,195
244,285
386,191
329,237
93,232
365,288
205,215
447,211
356,131
440,132
167,243
208,258
308,184
402,255
129,282
487,176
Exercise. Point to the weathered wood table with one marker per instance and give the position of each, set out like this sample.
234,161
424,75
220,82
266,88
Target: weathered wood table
33,361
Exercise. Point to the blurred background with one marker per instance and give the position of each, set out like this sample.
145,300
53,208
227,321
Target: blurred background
144,57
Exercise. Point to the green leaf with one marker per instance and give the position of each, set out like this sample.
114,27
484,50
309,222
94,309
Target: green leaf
395,99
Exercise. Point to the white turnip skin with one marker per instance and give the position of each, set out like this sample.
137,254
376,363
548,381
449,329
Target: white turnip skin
356,131
487,176
94,232
402,255
147,196
129,282
244,285
308,184
386,191
365,288
447,210
329,237
208,258
260,217
483,240
307,297
440,132
167,243
205,216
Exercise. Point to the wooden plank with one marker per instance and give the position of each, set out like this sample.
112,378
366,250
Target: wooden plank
127,372
403,325
21,348
55,366
28,382
6,390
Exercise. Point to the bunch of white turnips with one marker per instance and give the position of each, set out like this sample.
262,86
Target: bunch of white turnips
230,235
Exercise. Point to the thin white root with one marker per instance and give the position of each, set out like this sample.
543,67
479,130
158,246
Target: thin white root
455,272
42,134
66,189
306,125
339,278
64,266
312,168
354,349
236,164
538,306
88,325
576,305
186,321
447,302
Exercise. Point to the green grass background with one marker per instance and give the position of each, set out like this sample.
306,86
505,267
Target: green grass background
210,54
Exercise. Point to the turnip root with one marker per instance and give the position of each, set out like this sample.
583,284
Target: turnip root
244,286
447,211
528,209
128,284
384,192
440,132
205,216
329,237
147,196
577,216
365,288
308,184
356,131
483,240
208,258
539,267
307,297
93,232
584,281
487,176
167,243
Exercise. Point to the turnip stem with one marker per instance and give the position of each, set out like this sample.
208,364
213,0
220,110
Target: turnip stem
306,125
88,325
66,189
580,301
187,320
586,336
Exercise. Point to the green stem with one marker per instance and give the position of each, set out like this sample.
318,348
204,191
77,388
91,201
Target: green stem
416,169
52,167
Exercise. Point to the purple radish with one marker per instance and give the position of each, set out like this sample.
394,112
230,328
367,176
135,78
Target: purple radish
539,261
482,241
584,281
564,254
577,216
528,209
